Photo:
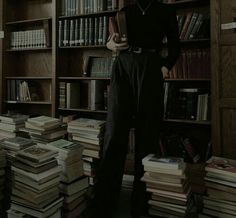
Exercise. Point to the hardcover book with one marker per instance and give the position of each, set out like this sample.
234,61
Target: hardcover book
37,153
163,162
118,25
43,120
221,166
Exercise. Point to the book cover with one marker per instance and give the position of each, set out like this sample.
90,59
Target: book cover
221,166
37,153
163,162
89,123
43,120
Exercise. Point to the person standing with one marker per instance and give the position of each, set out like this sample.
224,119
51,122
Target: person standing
135,98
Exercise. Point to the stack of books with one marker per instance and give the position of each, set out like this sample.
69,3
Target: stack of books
2,179
44,129
35,182
90,134
10,125
220,181
73,184
166,181
12,146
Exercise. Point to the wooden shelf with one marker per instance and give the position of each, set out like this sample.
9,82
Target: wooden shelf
205,40
187,80
29,102
83,110
83,78
28,21
29,49
90,14
83,46
29,77
187,3
188,121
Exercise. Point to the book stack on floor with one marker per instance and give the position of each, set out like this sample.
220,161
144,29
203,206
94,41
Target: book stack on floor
166,181
10,125
2,179
35,183
90,134
73,184
220,181
44,129
12,146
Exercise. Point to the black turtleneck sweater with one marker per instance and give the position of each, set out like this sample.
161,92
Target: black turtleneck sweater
148,31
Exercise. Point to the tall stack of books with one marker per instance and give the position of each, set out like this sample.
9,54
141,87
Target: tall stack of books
35,183
166,181
73,184
12,146
90,134
44,129
2,179
220,181
10,125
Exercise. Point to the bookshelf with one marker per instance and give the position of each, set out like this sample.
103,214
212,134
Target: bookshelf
62,60
190,81
29,51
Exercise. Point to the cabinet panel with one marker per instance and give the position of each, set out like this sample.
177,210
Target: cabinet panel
227,72
228,117
228,15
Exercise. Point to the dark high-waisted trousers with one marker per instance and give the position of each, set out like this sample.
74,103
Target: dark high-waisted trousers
135,98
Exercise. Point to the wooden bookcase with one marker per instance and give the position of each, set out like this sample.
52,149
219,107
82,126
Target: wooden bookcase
189,75
223,78
57,64
26,22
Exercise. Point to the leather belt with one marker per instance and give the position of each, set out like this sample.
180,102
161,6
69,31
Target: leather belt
140,50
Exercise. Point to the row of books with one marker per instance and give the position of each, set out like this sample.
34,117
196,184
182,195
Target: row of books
98,66
29,39
83,31
220,198
78,7
22,90
193,25
193,63
92,95
186,103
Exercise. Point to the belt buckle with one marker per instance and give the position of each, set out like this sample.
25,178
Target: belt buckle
137,50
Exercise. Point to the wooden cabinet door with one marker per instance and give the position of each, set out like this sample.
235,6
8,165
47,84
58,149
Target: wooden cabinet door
223,59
